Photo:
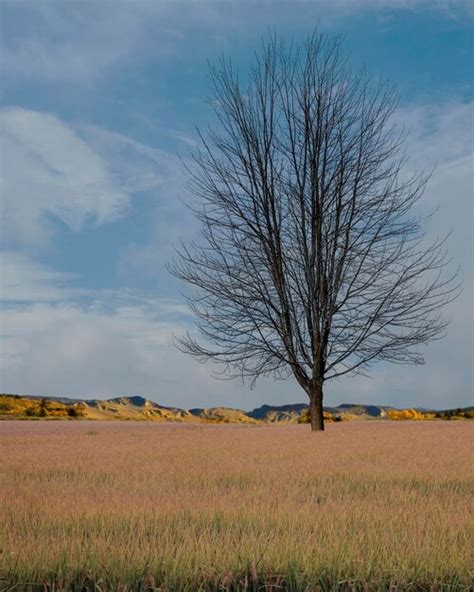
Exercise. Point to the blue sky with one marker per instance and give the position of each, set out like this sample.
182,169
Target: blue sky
99,99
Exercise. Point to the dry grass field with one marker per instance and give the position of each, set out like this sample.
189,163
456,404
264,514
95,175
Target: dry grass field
136,506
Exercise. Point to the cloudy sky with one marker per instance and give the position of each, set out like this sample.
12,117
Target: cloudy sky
98,100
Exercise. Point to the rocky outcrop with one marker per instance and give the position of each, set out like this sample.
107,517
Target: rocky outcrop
225,415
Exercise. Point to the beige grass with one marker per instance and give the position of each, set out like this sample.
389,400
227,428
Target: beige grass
175,506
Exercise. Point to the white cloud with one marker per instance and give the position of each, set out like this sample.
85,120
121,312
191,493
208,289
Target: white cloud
47,170
83,351
54,341
96,350
51,170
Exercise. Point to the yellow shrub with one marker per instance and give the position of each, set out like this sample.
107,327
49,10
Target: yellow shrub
407,414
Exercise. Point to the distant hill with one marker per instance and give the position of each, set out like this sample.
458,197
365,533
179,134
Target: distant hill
122,408
278,413
223,415
289,412
370,410
138,408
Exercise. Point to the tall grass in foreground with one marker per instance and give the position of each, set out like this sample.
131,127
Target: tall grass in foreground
135,506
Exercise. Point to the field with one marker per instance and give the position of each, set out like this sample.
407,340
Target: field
147,506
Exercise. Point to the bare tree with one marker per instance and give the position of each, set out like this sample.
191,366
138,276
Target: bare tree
311,260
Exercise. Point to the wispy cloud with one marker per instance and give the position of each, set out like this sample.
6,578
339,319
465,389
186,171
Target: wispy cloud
47,170
53,171
136,167
67,41
77,42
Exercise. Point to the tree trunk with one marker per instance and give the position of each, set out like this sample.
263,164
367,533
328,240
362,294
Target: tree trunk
316,408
